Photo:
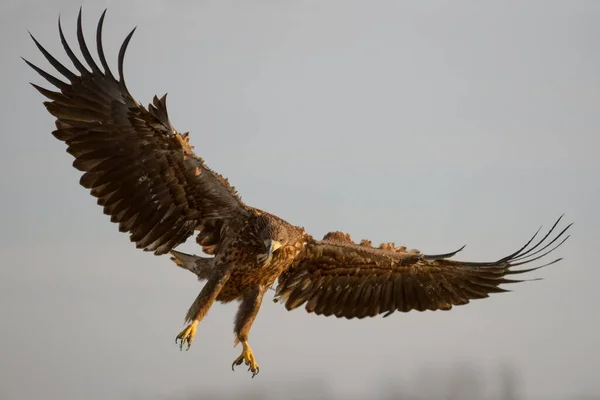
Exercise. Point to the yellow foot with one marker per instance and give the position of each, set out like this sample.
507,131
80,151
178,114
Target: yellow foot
247,357
187,335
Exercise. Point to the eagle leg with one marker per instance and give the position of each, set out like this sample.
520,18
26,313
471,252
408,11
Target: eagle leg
243,322
203,302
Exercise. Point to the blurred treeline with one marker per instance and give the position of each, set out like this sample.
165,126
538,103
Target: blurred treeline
460,383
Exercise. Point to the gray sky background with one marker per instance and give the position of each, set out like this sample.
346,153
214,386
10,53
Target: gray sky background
431,124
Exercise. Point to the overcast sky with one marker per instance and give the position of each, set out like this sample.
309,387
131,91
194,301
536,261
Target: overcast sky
432,124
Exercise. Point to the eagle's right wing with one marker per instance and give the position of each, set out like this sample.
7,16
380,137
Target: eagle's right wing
143,172
337,277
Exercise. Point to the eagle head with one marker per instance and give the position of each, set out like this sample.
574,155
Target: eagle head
274,234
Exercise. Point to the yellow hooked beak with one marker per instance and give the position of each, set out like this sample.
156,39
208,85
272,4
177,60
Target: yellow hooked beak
271,246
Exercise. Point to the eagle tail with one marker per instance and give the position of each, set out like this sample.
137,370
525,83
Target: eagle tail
201,266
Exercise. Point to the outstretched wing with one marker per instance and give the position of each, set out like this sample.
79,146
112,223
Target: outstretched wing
337,277
143,172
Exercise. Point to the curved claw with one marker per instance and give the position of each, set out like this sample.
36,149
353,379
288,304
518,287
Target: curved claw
187,335
247,357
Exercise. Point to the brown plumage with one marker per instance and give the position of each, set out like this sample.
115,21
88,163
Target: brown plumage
335,277
146,176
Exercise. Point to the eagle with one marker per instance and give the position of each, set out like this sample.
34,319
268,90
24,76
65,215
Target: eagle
148,179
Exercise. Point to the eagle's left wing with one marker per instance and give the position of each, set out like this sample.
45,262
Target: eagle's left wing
140,168
338,277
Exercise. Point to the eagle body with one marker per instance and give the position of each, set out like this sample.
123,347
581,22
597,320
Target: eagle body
244,247
147,177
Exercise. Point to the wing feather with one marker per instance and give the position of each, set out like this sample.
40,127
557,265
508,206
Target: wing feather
140,168
335,276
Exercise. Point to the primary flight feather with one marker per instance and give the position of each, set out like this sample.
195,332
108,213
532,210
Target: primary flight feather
147,177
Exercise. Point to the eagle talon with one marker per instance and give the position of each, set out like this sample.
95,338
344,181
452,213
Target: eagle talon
187,335
247,357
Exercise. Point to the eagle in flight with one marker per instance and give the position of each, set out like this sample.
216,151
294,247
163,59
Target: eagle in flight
149,180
